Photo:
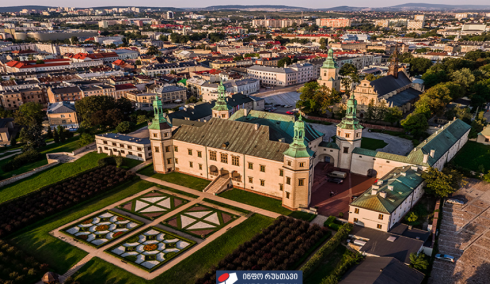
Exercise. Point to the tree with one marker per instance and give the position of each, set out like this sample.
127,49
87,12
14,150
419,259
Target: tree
61,133
477,125
5,113
152,50
13,140
282,61
32,137
39,61
370,110
463,77
123,127
442,183
125,105
411,217
348,73
29,114
238,58
85,139
323,43
306,99
138,62
191,99
49,133
56,137
119,161
415,123
370,77
418,261
114,117
74,39
393,114
436,99
163,38
419,66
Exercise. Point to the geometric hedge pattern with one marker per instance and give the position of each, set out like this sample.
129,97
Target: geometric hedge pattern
199,220
151,249
102,228
153,204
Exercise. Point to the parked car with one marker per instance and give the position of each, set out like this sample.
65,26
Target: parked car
287,106
335,180
455,201
277,105
337,174
445,257
289,112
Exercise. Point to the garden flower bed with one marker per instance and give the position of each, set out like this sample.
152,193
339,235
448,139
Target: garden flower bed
102,228
153,204
200,220
151,249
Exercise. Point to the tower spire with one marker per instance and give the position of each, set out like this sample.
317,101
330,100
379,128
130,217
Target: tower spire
330,63
158,119
350,120
221,104
299,148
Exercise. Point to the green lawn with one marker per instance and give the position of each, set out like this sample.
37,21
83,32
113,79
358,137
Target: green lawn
49,176
264,202
328,266
186,271
177,178
474,157
60,256
130,163
372,144
67,146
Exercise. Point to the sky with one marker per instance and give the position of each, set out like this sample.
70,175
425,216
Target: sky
200,3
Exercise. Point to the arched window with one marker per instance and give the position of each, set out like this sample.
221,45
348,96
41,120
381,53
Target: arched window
301,134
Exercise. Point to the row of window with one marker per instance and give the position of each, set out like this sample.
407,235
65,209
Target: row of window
127,146
123,152
380,216
379,226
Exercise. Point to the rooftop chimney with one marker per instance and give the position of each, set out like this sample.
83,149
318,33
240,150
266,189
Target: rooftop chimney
256,126
382,194
432,153
426,158
374,191
390,187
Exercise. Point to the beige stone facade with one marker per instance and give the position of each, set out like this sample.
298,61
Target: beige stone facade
125,146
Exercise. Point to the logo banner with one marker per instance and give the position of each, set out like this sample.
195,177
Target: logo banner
259,277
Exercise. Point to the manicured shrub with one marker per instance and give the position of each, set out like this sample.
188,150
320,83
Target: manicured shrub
18,161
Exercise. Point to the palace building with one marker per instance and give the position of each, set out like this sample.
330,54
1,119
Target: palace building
274,155
329,73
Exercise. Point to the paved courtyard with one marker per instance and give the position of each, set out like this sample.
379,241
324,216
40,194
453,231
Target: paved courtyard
465,234
396,145
327,205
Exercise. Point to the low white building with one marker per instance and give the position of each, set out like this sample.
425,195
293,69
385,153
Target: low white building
283,76
209,91
123,145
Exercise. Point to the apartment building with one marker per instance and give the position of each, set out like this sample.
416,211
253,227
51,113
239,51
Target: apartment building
64,114
48,65
235,49
60,94
167,94
123,145
12,99
276,23
356,45
276,76
209,91
165,68
334,23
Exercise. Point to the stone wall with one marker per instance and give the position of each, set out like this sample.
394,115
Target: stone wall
27,174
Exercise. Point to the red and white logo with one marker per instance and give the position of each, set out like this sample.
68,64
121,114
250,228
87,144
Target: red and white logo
227,278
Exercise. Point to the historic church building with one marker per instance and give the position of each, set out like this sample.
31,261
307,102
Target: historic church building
275,154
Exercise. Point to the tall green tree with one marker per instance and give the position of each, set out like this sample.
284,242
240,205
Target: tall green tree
56,137
29,114
418,261
415,123
32,137
393,114
442,183
61,133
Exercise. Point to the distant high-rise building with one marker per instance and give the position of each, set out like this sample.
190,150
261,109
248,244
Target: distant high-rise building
334,23
170,15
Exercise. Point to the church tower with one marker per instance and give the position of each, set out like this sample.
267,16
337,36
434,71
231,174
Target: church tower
161,140
221,108
349,134
329,73
393,69
297,175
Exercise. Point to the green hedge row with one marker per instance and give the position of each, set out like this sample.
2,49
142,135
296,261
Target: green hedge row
330,223
326,250
345,264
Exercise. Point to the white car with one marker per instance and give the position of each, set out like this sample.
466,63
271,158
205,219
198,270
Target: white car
445,257
455,201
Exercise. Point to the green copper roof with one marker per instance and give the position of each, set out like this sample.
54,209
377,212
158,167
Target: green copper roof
159,122
330,63
350,120
440,141
298,148
183,81
221,104
397,184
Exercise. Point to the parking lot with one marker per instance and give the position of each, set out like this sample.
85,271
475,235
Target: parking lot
287,98
465,235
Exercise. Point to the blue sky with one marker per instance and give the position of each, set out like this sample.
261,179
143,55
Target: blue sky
200,3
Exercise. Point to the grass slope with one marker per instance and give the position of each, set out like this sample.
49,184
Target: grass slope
473,156
186,271
372,144
58,254
49,176
177,178
264,202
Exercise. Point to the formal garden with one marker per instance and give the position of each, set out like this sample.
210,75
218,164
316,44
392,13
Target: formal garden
102,228
284,245
200,220
152,205
151,249
176,178
49,200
